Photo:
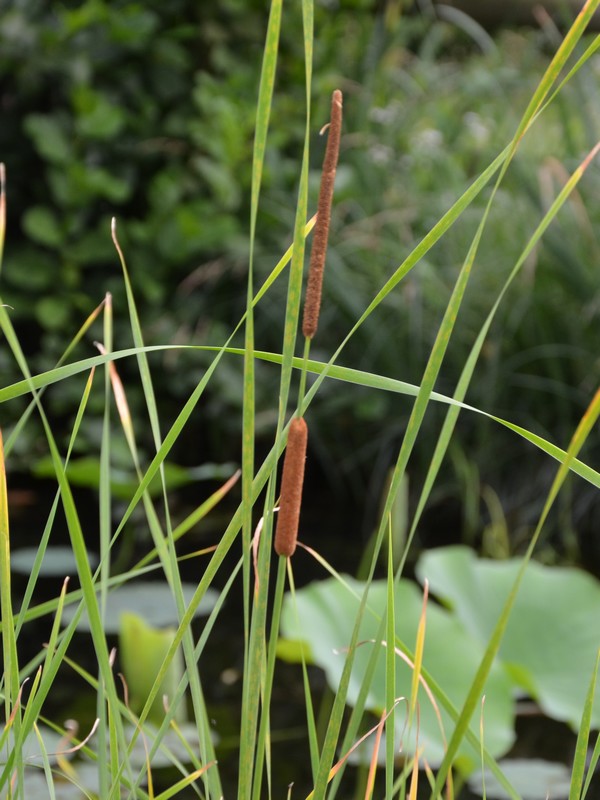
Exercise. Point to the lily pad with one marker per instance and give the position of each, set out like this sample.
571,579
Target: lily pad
57,561
552,637
152,601
172,748
31,752
35,783
322,618
532,779
85,471
36,788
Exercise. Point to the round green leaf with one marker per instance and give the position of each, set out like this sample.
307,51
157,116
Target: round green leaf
57,561
533,779
42,225
53,312
49,137
322,616
552,637
152,601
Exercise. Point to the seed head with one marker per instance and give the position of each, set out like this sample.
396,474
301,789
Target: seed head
312,302
292,480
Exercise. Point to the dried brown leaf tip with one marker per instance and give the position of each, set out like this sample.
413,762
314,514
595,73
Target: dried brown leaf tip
292,480
312,303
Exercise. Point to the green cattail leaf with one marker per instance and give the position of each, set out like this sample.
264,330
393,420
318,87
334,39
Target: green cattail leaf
581,748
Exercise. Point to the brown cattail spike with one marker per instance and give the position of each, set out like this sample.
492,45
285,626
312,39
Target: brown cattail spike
312,303
292,479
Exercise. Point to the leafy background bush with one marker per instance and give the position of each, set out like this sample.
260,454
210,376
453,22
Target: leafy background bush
146,112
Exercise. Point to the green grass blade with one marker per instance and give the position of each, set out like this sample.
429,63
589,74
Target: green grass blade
313,740
294,293
167,550
253,641
32,580
9,644
476,691
45,764
447,325
591,770
319,368
266,650
390,668
10,677
16,431
138,339
583,735
335,721
166,553
470,364
75,533
556,65
264,732
54,634
106,767
183,783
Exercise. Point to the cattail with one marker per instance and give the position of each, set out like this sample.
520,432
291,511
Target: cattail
312,303
291,488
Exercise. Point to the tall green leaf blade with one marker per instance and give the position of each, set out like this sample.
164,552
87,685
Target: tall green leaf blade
579,437
580,757
254,637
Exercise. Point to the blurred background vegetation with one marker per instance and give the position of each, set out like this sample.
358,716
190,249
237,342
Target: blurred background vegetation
145,111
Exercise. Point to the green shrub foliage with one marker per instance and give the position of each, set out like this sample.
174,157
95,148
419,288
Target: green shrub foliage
145,111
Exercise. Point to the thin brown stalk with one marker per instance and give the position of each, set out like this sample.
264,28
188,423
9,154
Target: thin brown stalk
292,480
312,303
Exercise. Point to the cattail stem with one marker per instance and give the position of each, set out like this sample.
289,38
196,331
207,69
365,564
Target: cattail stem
312,303
303,373
292,480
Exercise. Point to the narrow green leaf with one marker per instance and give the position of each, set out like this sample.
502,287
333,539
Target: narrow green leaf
583,735
390,667
9,644
470,364
254,633
476,691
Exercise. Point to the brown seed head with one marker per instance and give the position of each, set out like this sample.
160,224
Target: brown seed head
312,302
292,480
